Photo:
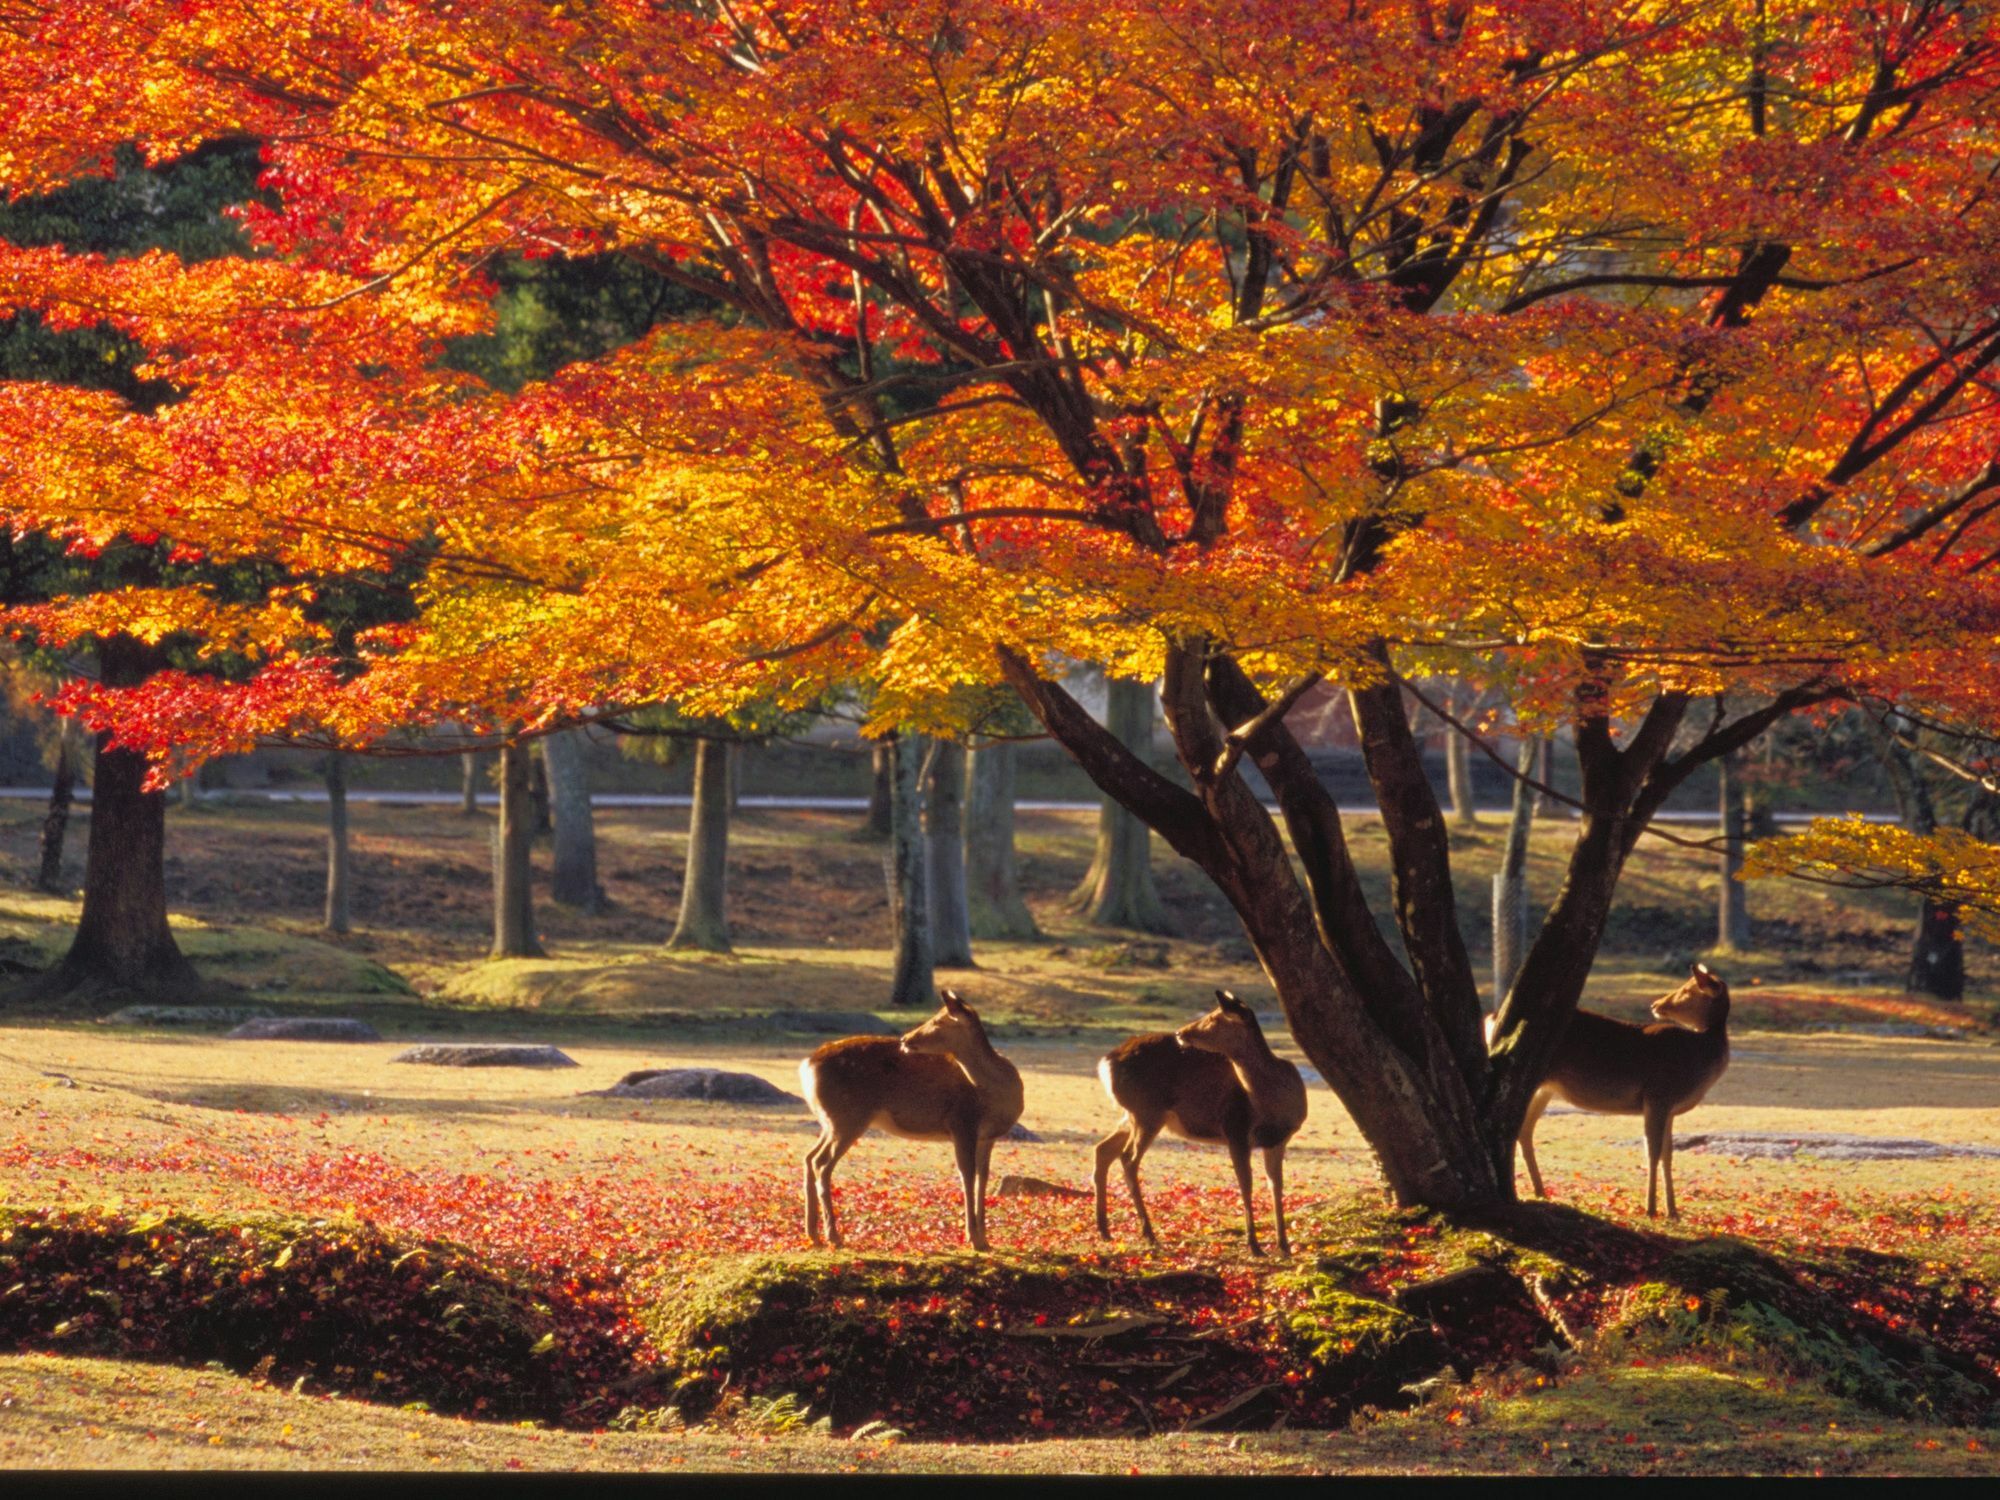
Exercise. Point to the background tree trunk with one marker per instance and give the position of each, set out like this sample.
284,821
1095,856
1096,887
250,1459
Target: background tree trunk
1732,929
468,802
55,825
541,820
573,881
513,839
189,789
1937,956
1510,881
1118,889
914,984
1545,773
944,855
703,922
123,944
994,907
736,751
875,822
1458,772
336,842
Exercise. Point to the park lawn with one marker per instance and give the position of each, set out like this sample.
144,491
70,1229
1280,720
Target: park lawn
530,1165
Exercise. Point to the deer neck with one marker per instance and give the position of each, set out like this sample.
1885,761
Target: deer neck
1260,1072
988,1070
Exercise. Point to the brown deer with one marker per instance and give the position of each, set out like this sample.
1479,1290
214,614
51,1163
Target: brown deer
1657,1071
942,1081
1216,1079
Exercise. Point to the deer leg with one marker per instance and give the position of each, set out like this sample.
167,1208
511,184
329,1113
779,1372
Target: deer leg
829,1158
1274,1168
1532,1118
984,1174
1667,1160
1239,1158
966,1147
1659,1131
1110,1149
1135,1148
812,1185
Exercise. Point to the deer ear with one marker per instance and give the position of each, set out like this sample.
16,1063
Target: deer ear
1227,1000
952,1000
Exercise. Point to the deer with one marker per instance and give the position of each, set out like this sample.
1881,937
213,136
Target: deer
1657,1072
1215,1079
941,1081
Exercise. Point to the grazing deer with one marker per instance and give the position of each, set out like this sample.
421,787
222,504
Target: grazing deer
1657,1071
1216,1079
942,1081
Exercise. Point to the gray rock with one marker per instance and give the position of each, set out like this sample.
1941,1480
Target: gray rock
1020,1132
713,1085
185,1015
1034,1187
833,1023
305,1029
484,1055
1831,1147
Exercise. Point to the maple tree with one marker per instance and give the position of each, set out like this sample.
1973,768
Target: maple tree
1616,356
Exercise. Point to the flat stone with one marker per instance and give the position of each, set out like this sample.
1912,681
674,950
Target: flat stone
1020,1132
184,1015
305,1029
1833,1147
484,1055
711,1085
1034,1187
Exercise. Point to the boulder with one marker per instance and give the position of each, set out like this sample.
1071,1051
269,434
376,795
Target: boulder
712,1085
1020,1132
484,1055
1012,1186
305,1029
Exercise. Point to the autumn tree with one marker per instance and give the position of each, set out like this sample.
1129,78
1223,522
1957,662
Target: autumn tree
1645,348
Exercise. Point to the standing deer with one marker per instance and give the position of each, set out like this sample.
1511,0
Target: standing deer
942,1081
1657,1071
1216,1079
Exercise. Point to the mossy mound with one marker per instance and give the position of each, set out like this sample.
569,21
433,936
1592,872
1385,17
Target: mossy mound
1005,1347
332,1304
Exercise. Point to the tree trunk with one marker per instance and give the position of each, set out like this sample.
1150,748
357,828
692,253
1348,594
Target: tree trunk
1937,956
944,855
542,820
468,800
1118,889
736,749
875,822
513,839
189,789
123,946
1510,881
1545,773
573,881
55,825
992,886
1732,928
1458,776
336,842
703,922
914,985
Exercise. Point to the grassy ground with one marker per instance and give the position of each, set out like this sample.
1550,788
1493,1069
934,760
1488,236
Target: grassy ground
530,1163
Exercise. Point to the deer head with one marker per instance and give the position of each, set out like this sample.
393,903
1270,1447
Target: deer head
1229,1029
1698,1004
955,1029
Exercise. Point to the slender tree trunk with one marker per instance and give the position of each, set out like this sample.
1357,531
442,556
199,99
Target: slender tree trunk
1732,928
336,842
573,880
736,749
123,945
1458,777
992,885
1118,889
55,825
913,985
875,822
1937,955
468,801
189,789
703,922
513,839
1510,881
944,855
540,812
1545,773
